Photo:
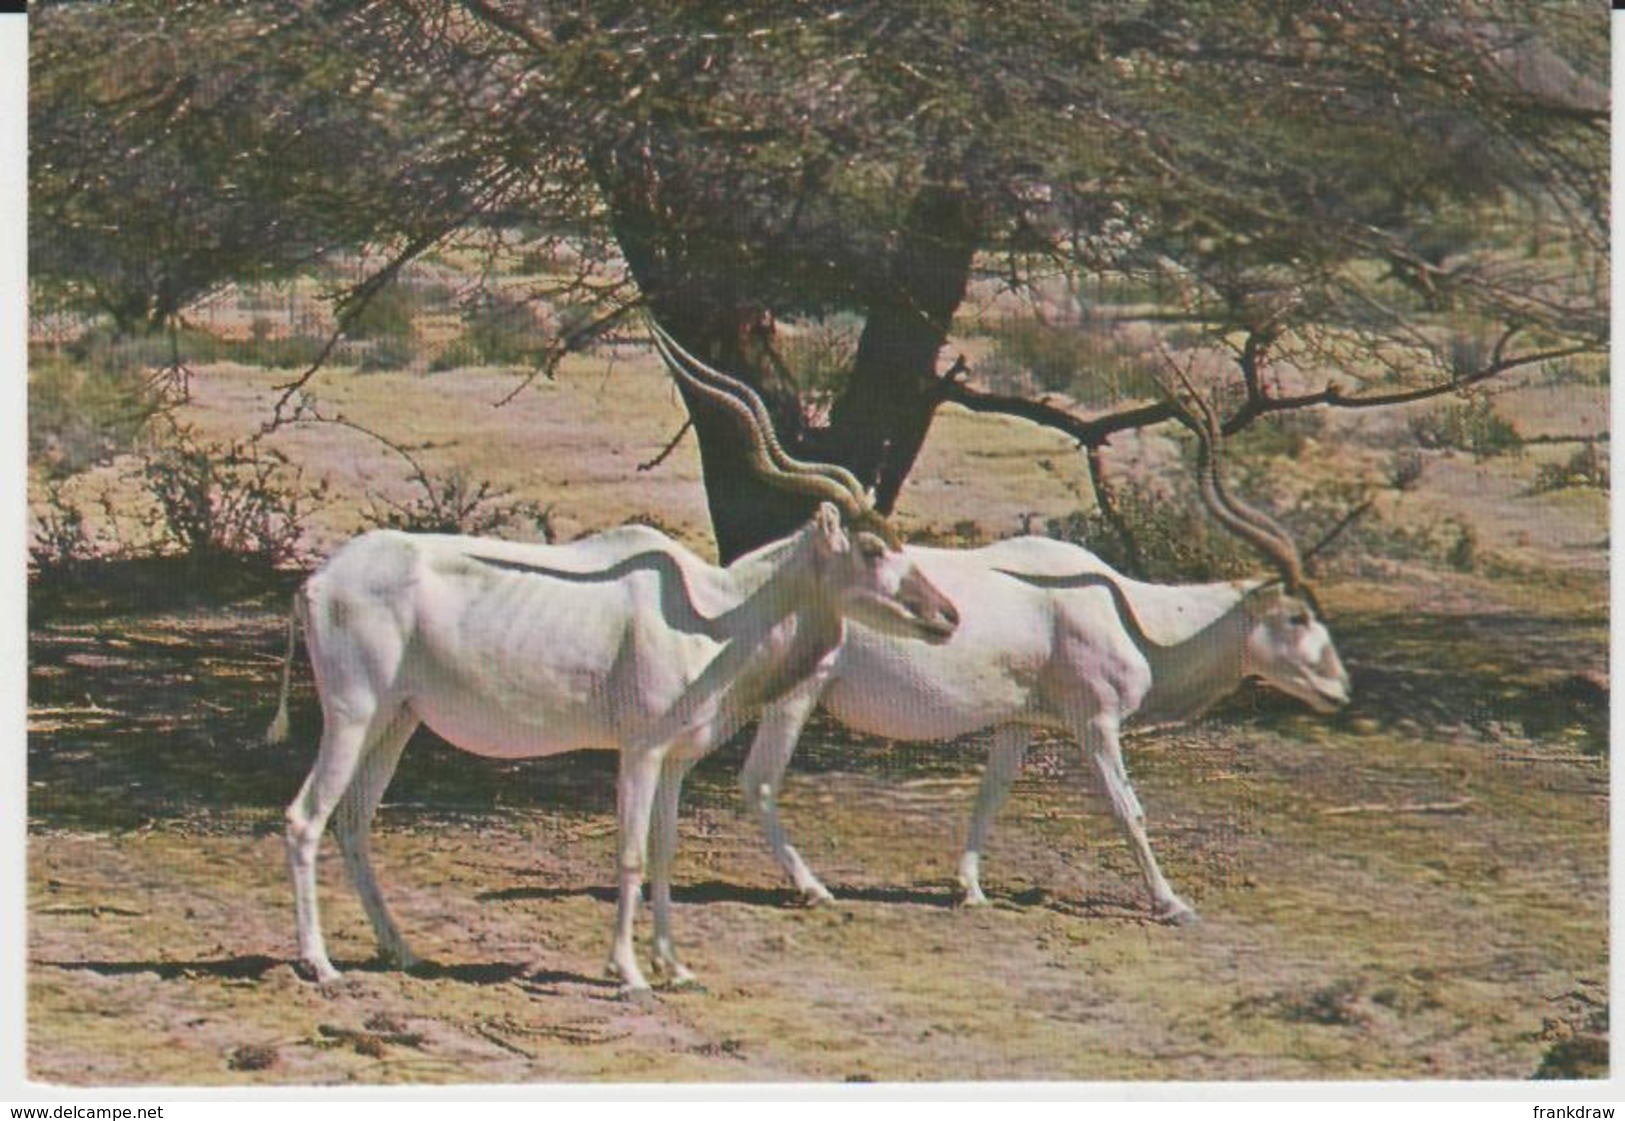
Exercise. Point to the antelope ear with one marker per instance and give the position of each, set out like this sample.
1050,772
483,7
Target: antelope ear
1267,596
828,521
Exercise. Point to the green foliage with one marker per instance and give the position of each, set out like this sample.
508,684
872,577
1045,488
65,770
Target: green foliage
865,162
81,413
456,503
819,354
1586,467
1463,552
176,148
288,352
1168,539
1446,542
226,502
387,353
387,314
1405,468
383,330
1082,362
1472,426
110,351
1581,1056
1279,435
499,329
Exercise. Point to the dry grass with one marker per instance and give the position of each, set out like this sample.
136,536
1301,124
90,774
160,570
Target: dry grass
1417,889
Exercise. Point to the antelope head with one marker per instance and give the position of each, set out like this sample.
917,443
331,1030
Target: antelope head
1288,647
877,583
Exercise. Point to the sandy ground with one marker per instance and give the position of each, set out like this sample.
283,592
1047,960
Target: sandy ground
1375,906
1416,889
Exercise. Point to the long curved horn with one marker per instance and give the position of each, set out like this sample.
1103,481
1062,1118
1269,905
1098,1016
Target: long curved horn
830,482
1258,529
713,382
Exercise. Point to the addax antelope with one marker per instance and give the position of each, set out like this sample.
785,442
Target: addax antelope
624,640
1051,637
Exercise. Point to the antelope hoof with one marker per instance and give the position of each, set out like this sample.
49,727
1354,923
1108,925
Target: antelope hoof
319,972
631,978
400,958
1177,913
970,895
816,895
684,981
640,997
677,976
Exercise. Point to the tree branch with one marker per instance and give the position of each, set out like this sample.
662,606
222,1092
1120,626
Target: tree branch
671,446
1091,432
1354,514
570,341
1088,432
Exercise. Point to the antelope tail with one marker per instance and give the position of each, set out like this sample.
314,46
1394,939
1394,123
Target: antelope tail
277,732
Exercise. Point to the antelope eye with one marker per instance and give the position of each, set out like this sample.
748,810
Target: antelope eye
1301,619
872,548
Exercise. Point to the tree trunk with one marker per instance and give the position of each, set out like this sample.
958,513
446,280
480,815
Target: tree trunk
746,510
880,420
700,305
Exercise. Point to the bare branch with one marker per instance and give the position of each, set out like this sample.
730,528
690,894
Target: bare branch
1098,430
571,341
1087,431
671,446
1343,523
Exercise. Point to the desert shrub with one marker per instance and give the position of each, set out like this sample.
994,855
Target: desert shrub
237,502
1587,467
62,542
107,350
653,521
964,533
1462,555
1438,542
1087,364
1405,468
1286,434
1163,535
1578,1040
81,414
1577,371
291,352
448,358
1052,357
431,295
215,508
1471,426
388,314
1156,536
1333,517
156,353
456,503
386,354
499,329
549,257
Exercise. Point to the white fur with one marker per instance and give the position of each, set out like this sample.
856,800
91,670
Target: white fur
624,640
1049,637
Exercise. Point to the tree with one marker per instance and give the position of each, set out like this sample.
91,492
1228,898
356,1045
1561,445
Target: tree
1311,181
1418,189
175,148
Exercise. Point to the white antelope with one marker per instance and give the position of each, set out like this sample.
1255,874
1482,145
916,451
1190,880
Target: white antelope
623,640
1051,637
